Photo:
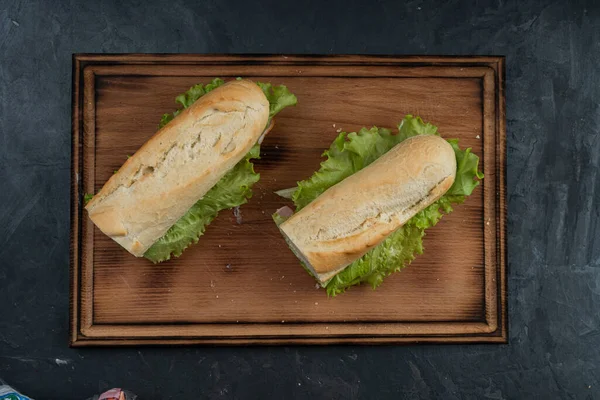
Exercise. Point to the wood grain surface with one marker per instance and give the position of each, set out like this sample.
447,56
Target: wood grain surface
241,284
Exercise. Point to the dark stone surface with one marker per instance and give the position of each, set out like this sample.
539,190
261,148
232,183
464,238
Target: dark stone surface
553,95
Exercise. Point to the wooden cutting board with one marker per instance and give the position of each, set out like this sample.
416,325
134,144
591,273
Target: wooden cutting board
241,284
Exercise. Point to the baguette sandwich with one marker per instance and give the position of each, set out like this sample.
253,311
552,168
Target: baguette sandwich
363,215
198,163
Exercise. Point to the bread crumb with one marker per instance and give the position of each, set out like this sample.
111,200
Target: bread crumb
478,137
217,296
316,303
326,327
338,130
283,321
488,222
212,284
334,125
317,286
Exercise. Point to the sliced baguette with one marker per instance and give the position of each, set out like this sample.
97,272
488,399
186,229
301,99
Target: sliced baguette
357,214
179,165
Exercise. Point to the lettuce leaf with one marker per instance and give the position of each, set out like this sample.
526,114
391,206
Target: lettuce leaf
279,98
349,153
87,197
234,189
188,98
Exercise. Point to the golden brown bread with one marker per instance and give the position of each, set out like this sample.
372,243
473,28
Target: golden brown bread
357,214
179,165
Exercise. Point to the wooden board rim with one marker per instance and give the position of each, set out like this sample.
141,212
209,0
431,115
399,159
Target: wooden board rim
498,329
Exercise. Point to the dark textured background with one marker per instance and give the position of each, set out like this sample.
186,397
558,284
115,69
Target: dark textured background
553,94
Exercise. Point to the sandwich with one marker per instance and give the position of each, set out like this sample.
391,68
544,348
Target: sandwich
363,215
197,164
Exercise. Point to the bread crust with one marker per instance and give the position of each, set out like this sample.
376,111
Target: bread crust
179,164
357,214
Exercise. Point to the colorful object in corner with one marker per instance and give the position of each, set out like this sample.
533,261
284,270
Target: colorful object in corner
8,393
116,394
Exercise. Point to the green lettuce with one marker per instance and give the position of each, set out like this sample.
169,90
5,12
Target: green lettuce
279,98
349,153
87,197
188,98
234,189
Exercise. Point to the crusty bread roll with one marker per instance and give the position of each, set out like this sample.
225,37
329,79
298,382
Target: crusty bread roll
357,214
179,165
